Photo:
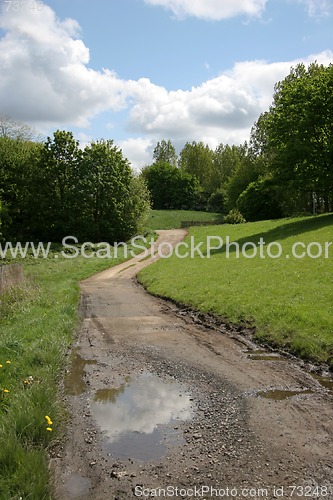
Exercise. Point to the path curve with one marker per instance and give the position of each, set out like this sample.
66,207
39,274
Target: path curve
233,438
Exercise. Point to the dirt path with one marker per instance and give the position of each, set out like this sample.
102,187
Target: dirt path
158,401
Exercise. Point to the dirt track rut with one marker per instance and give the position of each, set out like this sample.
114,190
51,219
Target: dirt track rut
157,400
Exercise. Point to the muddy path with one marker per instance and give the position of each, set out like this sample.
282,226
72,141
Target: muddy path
157,400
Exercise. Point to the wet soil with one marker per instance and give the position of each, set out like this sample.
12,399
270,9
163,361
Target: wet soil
158,398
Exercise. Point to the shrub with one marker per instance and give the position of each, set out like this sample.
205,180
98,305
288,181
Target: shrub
234,217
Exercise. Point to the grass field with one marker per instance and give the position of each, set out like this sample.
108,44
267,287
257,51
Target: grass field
172,219
289,300
37,326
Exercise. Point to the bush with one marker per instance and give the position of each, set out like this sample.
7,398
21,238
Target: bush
216,202
259,201
234,217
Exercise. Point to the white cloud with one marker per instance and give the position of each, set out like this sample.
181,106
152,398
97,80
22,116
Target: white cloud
211,9
138,151
318,8
44,74
45,80
225,9
222,109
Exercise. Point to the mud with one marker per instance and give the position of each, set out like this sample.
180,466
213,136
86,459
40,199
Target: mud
156,399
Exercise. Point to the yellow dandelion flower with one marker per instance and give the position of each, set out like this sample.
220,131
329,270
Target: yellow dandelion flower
49,429
6,391
48,420
8,362
0,366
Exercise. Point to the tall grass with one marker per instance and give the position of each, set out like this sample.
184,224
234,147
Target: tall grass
37,326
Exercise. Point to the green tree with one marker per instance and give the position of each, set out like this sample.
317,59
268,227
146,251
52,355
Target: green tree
260,201
56,195
18,159
165,152
170,188
298,131
112,201
196,159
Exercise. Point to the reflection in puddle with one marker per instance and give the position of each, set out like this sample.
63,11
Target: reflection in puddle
279,395
326,382
73,381
136,416
77,485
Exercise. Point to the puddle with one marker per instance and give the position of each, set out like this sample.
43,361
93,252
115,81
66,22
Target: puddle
278,395
326,382
256,351
77,485
73,380
138,418
265,357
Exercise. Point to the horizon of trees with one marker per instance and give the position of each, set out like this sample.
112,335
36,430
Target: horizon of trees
285,169
53,188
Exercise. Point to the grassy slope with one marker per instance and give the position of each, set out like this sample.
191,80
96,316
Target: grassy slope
172,219
288,300
37,325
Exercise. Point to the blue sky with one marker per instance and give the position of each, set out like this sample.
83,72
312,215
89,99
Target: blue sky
138,71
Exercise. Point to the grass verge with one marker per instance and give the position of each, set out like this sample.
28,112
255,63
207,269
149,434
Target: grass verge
287,299
172,219
37,326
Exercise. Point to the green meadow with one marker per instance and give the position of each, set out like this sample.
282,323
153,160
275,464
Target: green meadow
173,219
38,322
288,300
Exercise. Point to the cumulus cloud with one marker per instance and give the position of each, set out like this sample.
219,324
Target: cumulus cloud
44,73
45,80
222,109
138,151
211,9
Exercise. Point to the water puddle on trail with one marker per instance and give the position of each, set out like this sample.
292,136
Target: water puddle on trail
259,355
326,382
280,395
74,379
140,417
267,357
77,485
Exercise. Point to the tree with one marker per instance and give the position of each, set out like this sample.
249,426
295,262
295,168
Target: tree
16,130
260,201
196,159
57,199
112,200
298,131
170,188
165,152
18,159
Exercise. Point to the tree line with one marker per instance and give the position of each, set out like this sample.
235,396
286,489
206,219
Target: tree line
53,189
286,168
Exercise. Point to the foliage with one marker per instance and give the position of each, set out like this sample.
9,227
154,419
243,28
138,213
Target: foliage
165,152
196,159
55,189
260,201
234,217
296,134
170,188
216,202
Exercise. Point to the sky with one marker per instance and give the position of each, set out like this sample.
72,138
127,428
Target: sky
139,71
